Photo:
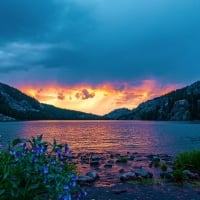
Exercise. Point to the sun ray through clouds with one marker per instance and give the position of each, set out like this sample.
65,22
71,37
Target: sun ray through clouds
99,99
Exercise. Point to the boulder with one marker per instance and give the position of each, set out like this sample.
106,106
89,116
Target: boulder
94,163
95,157
143,173
118,191
93,175
191,175
85,180
108,165
90,177
128,176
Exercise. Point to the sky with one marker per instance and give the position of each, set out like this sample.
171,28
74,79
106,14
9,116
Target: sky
99,55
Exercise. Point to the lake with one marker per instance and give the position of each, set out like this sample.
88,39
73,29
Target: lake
110,136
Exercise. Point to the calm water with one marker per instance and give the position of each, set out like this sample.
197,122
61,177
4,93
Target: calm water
105,136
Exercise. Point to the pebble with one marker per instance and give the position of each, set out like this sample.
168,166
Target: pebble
118,191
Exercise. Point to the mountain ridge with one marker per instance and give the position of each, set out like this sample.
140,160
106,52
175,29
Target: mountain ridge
179,105
15,105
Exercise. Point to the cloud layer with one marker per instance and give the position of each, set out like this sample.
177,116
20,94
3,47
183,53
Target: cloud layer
105,45
84,41
100,99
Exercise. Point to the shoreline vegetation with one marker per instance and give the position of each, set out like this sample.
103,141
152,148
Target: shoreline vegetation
35,169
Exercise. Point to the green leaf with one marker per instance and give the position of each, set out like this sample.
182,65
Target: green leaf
5,175
16,141
39,138
54,142
1,192
33,187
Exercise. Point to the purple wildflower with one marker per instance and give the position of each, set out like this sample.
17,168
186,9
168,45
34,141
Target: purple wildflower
67,197
35,159
12,153
73,183
53,162
60,168
45,170
66,187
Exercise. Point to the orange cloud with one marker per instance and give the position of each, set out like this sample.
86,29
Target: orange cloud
100,99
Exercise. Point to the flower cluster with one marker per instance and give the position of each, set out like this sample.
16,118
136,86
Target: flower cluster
34,169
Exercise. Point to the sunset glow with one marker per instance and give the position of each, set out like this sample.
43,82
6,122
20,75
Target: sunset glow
99,99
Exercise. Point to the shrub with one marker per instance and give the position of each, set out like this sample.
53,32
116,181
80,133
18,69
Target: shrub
123,159
163,167
38,170
156,163
188,160
178,175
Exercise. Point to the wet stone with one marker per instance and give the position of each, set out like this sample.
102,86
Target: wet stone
95,158
110,161
128,176
85,180
156,159
119,191
93,175
94,163
121,171
108,166
143,173
191,175
132,157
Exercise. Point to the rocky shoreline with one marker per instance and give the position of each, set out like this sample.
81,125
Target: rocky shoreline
123,176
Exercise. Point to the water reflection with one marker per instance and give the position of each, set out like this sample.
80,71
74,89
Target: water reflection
104,136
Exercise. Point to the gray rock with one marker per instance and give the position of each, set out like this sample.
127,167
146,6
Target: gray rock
95,157
85,179
94,163
143,173
121,171
132,157
4,118
108,165
93,175
119,191
156,159
128,176
191,175
110,161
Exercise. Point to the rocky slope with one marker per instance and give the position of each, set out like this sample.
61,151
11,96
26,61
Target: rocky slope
14,105
179,105
115,114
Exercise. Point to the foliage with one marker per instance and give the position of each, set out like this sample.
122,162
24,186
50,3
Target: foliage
156,163
178,175
38,170
163,167
188,160
123,159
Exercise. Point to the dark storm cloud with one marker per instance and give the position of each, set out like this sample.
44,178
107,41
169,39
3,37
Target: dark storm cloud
24,19
97,41
84,94
12,69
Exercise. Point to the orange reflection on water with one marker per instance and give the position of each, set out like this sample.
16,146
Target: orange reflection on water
97,136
